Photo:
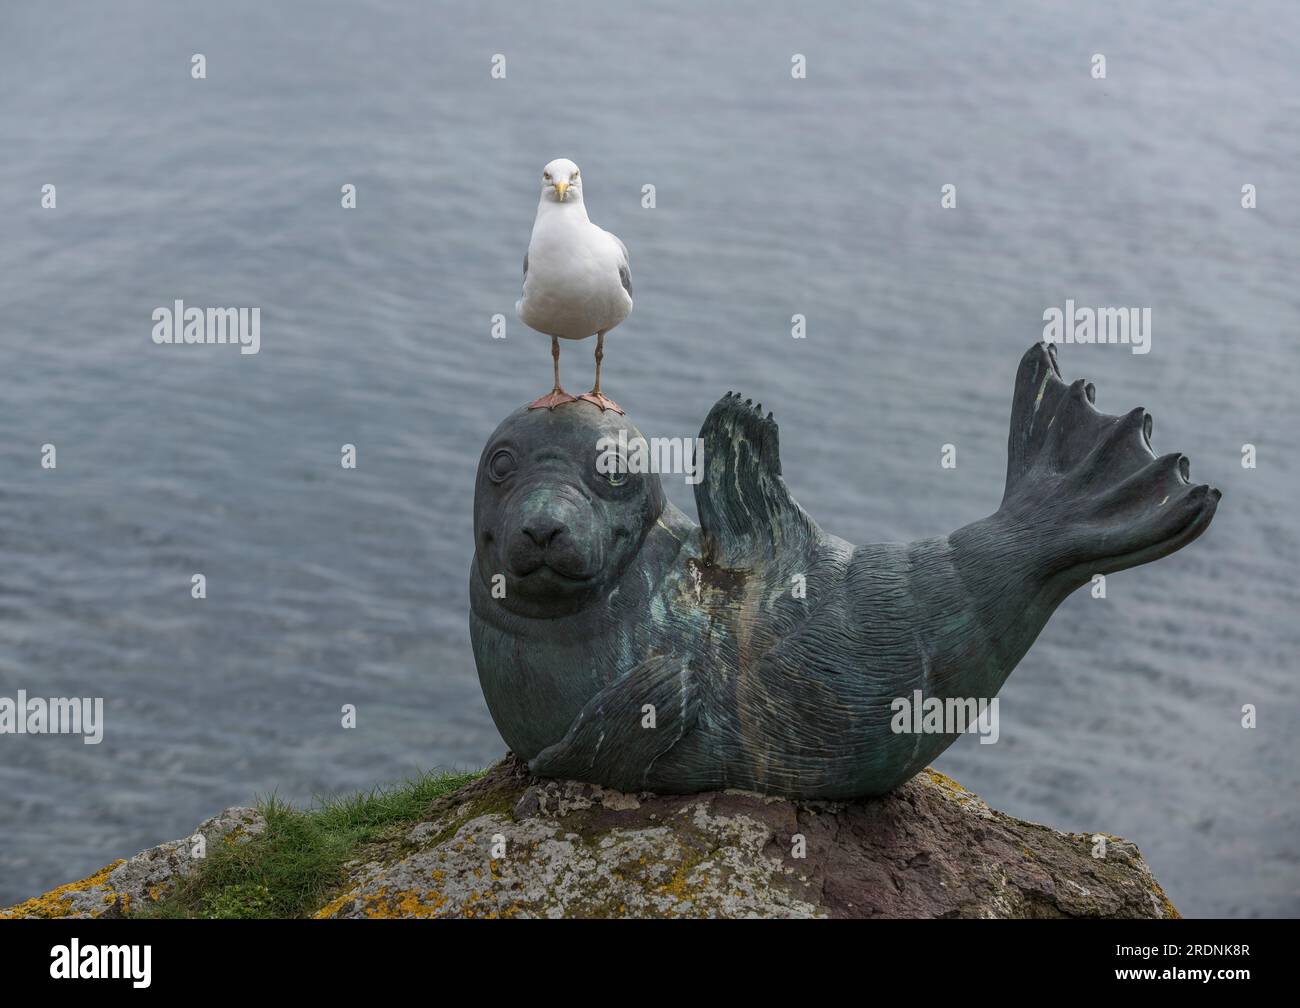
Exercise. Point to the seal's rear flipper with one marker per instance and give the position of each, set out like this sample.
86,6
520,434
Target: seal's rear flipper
743,502
621,732
1088,483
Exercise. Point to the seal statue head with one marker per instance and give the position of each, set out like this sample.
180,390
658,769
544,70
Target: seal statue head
556,510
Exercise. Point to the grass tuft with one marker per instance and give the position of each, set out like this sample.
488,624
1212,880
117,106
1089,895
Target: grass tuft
289,869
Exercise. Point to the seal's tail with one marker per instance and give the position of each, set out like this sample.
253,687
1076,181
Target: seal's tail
1086,484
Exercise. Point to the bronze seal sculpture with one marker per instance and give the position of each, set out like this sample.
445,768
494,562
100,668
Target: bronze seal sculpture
619,643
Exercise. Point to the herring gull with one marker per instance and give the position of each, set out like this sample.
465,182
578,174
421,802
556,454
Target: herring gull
576,278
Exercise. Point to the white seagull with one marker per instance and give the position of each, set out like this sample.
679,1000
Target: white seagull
576,278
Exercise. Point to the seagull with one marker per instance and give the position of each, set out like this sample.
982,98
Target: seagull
576,278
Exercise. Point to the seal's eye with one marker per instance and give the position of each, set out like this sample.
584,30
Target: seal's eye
618,477
501,465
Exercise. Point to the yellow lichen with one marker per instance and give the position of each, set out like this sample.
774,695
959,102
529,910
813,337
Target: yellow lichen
676,886
58,902
380,905
421,904
944,781
334,906
1171,911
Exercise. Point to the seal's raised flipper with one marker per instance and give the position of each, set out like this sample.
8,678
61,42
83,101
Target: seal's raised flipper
743,502
1087,483
611,740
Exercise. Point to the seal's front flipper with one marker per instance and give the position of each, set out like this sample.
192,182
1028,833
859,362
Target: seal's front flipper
626,727
1087,484
743,502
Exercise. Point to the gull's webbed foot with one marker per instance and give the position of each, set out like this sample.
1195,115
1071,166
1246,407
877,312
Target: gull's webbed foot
556,397
602,400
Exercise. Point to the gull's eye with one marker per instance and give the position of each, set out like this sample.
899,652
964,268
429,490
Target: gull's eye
573,177
546,176
500,465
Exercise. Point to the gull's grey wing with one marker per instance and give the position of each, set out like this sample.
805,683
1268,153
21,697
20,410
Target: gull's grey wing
525,265
624,268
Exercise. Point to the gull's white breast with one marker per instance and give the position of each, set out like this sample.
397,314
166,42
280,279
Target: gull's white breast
573,288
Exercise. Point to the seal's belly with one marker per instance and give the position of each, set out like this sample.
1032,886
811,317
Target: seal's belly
533,694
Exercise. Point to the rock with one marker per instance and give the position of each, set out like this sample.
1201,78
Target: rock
122,886
512,846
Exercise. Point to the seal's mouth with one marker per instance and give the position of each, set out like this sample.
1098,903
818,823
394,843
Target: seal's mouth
541,582
546,553
541,570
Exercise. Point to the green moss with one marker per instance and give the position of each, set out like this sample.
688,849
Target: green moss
244,901
292,867
493,803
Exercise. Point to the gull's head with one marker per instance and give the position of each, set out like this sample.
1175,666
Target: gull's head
561,182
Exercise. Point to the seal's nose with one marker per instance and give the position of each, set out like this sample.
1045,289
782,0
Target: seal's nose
541,529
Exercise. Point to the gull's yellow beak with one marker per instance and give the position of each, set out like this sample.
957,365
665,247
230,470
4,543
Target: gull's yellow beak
561,188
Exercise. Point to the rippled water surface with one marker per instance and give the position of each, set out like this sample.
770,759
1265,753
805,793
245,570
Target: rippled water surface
775,197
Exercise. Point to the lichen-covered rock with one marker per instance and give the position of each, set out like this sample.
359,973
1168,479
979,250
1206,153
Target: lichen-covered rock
119,887
511,846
